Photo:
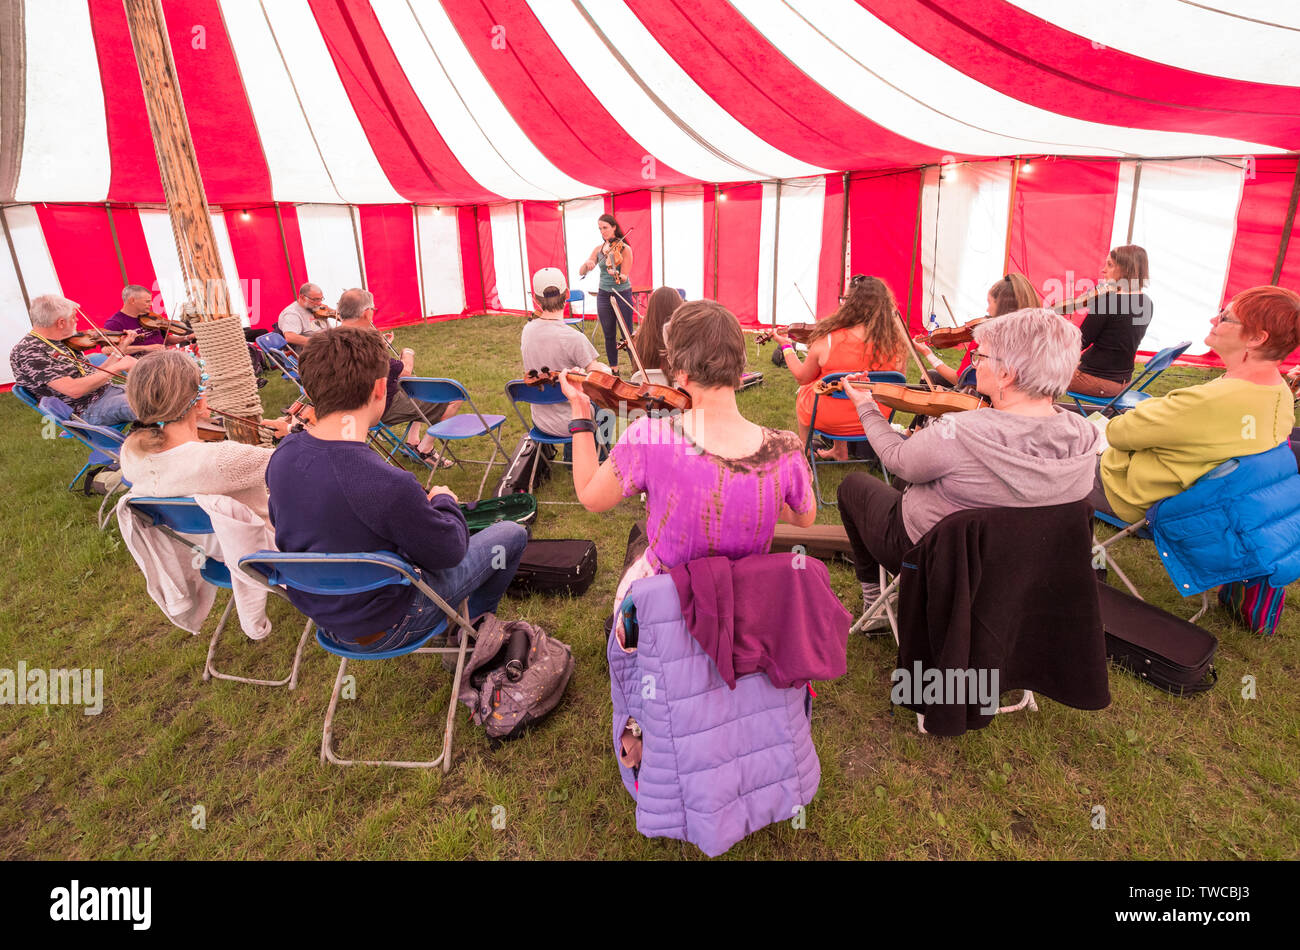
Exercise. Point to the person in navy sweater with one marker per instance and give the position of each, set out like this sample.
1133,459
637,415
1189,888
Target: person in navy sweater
331,493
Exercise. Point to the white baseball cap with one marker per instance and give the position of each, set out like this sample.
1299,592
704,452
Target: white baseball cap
549,278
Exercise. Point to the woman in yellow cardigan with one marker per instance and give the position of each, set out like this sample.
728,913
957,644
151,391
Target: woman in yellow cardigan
1164,445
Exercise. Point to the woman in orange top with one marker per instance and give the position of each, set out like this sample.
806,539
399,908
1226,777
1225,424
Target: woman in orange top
864,334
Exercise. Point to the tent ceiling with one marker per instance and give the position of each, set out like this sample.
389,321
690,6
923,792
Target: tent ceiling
467,101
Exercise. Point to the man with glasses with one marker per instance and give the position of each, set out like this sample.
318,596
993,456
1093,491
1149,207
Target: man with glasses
297,322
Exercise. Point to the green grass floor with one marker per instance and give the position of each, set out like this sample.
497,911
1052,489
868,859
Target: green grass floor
1209,777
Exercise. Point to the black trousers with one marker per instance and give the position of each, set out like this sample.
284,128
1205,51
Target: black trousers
605,304
873,517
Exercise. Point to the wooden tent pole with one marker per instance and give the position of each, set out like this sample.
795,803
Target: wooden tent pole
1287,227
844,239
1011,214
233,386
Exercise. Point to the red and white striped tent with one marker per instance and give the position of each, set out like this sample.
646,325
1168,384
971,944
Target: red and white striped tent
756,150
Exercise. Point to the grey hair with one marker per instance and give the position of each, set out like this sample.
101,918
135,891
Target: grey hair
49,309
307,288
1039,346
354,303
130,290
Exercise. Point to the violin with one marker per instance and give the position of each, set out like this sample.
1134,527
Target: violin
324,313
1069,306
607,391
917,400
211,431
798,332
88,340
944,338
156,321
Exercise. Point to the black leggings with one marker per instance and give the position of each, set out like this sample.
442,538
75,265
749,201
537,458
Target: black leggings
873,518
605,304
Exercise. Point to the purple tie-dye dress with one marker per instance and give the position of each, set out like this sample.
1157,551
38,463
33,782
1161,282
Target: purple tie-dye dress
701,505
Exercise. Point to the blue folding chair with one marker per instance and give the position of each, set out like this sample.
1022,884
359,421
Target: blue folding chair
278,352
876,376
96,457
177,517
548,394
576,296
1132,394
104,443
347,575
463,425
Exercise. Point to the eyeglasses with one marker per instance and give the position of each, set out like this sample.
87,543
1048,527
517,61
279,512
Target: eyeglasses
978,356
1222,317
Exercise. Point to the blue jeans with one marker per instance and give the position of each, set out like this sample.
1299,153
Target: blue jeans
110,409
482,576
605,304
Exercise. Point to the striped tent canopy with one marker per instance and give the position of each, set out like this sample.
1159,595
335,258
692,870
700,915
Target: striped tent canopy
755,150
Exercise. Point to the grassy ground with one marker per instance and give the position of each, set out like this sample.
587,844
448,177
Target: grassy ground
1209,777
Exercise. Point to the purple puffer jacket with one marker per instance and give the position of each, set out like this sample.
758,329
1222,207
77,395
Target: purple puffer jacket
716,764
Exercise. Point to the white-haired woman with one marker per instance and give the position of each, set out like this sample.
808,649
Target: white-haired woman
1024,452
164,456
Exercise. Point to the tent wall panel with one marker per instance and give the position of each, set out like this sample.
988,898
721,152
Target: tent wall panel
1186,215
80,242
830,269
471,260
581,235
734,242
37,273
388,242
1266,196
683,240
329,247
444,274
156,228
796,253
1062,222
509,255
238,286
882,235
632,209
963,237
544,238
259,255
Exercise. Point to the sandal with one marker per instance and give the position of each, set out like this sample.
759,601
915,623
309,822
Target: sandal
435,459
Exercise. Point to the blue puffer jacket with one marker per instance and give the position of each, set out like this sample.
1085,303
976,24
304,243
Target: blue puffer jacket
1239,522
716,763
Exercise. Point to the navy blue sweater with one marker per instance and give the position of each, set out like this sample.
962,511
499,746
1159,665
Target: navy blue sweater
342,498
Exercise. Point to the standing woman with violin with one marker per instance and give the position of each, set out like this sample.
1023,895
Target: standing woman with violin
164,455
863,335
613,259
44,365
1119,313
135,313
1013,292
1024,452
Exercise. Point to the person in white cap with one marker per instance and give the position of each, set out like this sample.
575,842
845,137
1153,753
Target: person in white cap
549,342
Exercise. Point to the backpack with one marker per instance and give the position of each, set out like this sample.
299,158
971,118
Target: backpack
516,675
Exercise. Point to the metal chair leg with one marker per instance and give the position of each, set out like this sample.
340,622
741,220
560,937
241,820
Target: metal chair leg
210,671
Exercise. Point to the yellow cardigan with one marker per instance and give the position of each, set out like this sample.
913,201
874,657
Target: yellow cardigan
1167,443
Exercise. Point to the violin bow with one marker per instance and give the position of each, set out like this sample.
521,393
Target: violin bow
916,356
100,333
805,303
86,366
951,315
618,315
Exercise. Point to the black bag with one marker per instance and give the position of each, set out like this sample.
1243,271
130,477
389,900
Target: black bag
1166,651
555,566
527,454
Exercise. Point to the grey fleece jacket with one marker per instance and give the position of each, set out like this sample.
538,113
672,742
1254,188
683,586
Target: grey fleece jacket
986,459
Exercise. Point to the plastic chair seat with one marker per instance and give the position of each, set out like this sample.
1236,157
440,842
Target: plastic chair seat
537,435
333,646
465,425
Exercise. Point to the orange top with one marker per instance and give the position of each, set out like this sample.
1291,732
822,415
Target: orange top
847,355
